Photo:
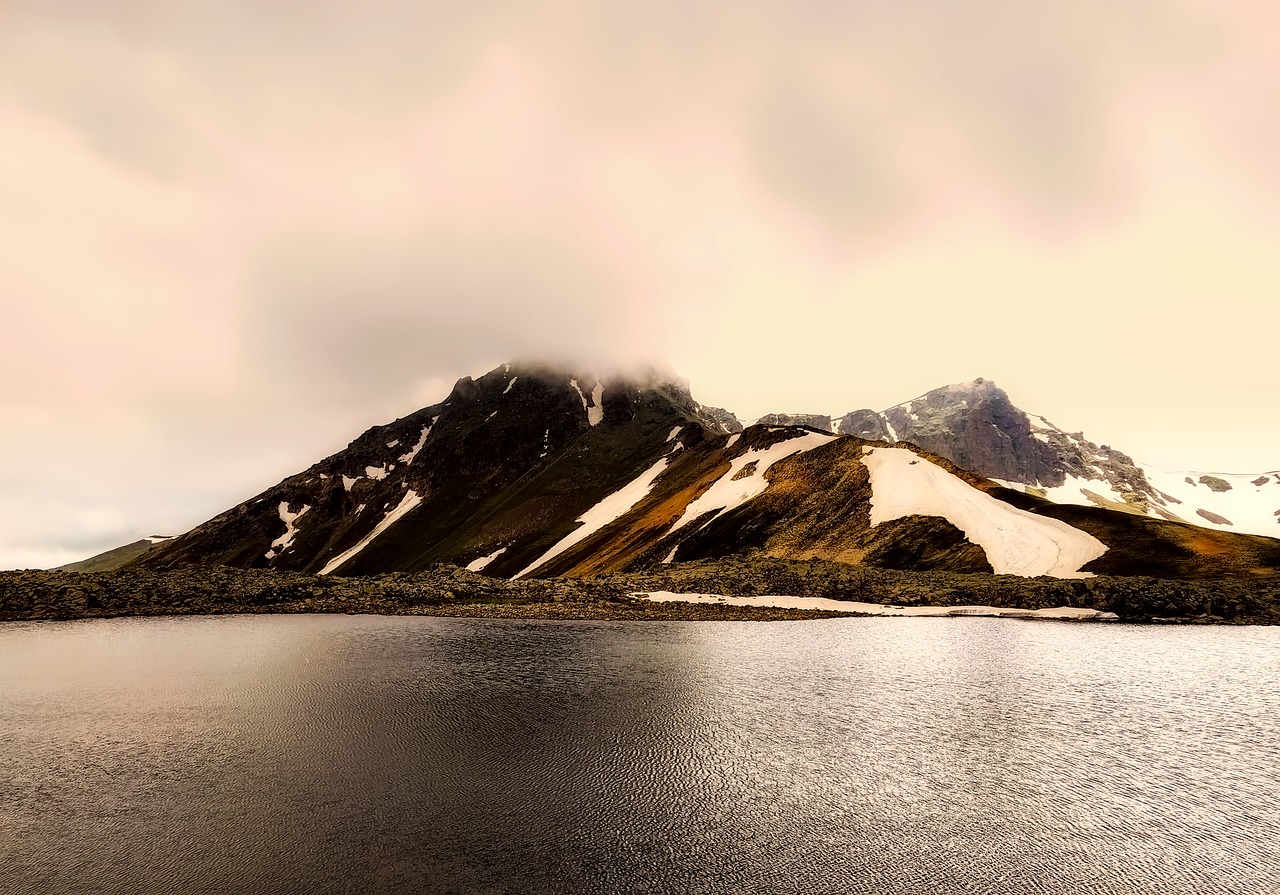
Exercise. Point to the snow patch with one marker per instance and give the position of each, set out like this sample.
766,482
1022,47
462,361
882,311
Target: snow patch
348,481
290,520
377,473
733,439
393,442
491,416
729,492
511,384
410,500
478,565
595,413
1072,491
674,433
1016,542
826,604
612,507
422,439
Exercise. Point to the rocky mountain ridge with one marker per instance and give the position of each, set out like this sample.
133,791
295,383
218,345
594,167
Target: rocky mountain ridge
533,471
976,426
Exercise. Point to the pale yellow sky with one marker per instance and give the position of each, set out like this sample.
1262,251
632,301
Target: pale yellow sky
235,233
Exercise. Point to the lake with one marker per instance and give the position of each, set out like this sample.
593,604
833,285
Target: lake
252,754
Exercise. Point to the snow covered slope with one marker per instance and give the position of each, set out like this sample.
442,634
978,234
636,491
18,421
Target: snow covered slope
1016,542
1241,502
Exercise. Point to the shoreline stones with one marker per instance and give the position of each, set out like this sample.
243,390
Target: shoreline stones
452,591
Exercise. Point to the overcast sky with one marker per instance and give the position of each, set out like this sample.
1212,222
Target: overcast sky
235,233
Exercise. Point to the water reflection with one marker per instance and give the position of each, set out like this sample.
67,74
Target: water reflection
357,754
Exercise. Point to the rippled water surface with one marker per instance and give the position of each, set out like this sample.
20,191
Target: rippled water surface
364,754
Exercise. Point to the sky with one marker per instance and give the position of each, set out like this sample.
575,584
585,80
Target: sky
236,233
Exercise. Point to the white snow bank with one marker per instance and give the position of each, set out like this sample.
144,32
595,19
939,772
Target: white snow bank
595,413
674,433
477,565
348,481
1016,542
511,384
290,520
407,503
595,410
422,439
826,604
600,515
1251,508
729,493
377,473
733,439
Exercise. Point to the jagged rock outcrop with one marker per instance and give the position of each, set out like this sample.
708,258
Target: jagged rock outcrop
817,421
972,424
864,424
720,420
976,425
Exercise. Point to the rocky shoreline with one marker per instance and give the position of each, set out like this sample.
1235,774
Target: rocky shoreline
446,591
451,591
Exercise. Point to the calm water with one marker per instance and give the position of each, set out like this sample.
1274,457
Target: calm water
346,754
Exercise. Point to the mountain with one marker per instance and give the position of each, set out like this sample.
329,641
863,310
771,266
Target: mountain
504,460
116,558
976,425
537,471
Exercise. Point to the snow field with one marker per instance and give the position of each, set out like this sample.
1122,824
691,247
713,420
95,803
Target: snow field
727,493
1016,542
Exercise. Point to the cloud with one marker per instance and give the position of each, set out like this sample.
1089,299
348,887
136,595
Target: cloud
230,223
